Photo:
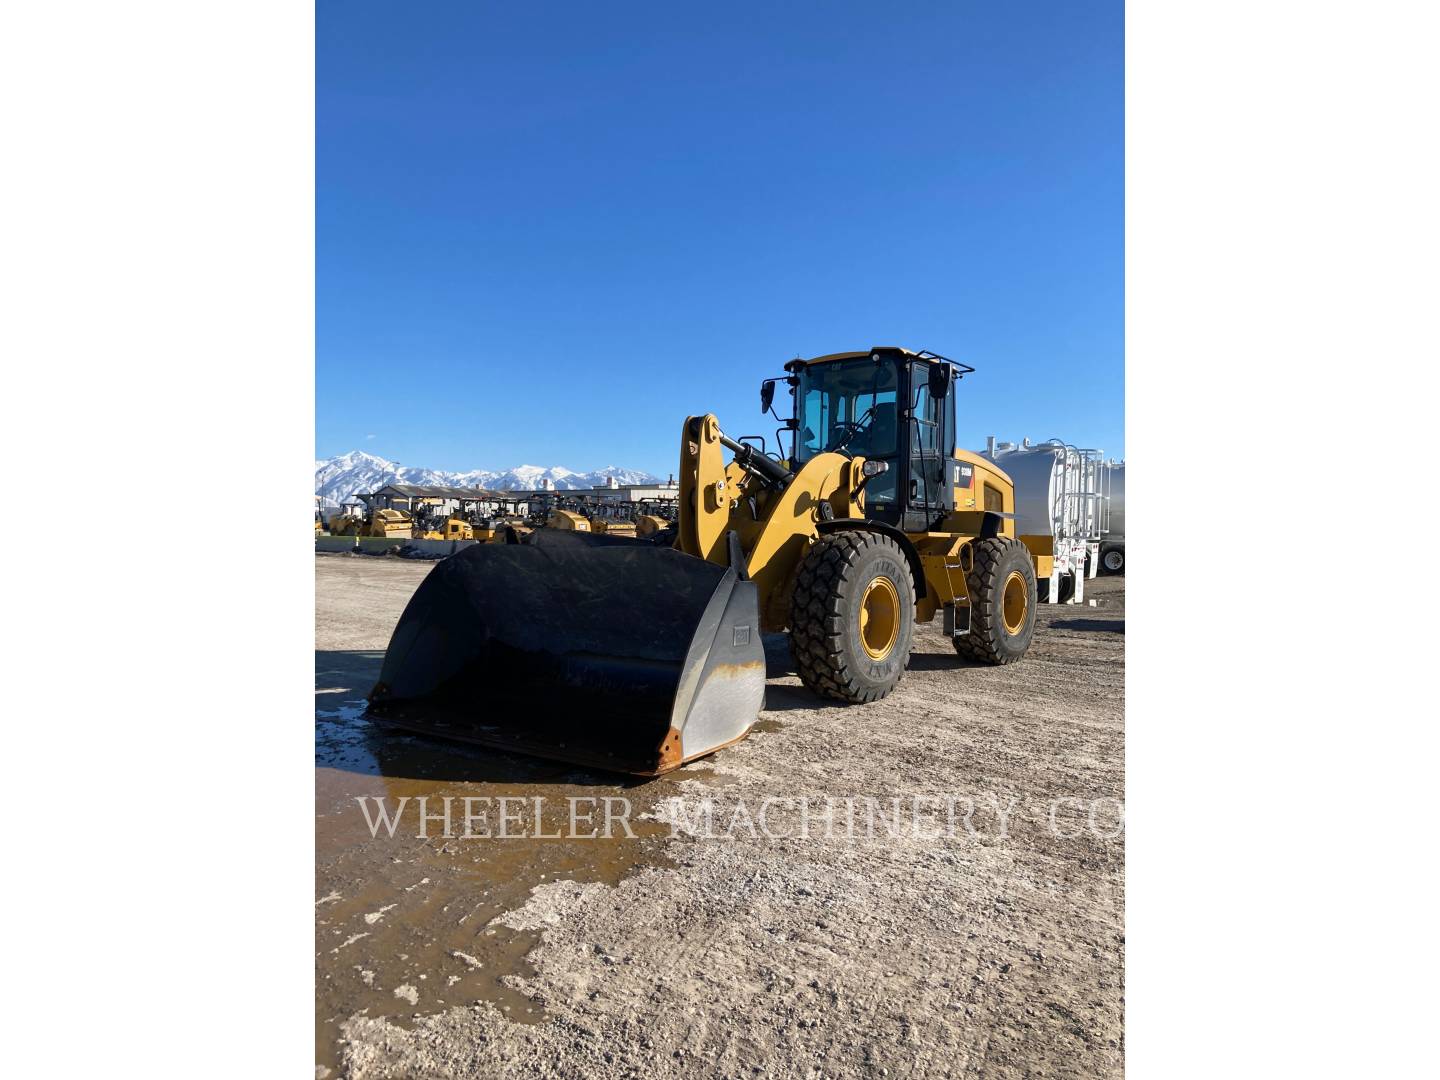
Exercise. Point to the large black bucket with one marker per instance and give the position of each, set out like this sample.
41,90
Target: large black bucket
600,650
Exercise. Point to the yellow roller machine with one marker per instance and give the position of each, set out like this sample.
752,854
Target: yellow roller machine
567,521
390,524
645,656
457,528
647,525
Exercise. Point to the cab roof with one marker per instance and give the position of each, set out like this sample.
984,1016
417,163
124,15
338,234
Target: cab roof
910,354
858,355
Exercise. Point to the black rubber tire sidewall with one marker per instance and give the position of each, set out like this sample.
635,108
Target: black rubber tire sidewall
824,624
988,641
888,560
1067,588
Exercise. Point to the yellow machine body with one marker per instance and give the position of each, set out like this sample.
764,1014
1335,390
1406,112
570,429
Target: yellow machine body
390,524
344,525
568,520
776,536
612,527
648,655
457,529
647,525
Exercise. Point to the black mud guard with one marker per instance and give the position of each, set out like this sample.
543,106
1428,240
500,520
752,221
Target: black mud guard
866,525
990,524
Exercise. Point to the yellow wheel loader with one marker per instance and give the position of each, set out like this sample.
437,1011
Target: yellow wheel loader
647,656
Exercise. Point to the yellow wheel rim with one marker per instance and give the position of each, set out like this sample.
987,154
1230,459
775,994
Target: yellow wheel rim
879,618
1015,602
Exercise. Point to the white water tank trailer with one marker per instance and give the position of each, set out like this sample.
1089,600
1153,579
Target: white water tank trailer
1062,500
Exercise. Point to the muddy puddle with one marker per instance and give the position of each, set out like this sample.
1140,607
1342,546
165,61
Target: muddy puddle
402,921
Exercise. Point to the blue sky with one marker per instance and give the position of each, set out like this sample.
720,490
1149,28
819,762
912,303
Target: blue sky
548,232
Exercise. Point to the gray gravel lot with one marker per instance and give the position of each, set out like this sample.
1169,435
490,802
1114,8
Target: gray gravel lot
930,943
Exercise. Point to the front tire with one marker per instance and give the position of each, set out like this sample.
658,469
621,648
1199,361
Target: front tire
1003,594
852,616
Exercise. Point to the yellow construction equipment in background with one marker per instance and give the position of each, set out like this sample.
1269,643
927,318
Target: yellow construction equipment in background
486,529
457,528
400,525
390,524
612,521
648,657
647,525
343,524
569,520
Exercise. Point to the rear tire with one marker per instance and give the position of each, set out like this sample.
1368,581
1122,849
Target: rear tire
1067,588
1003,595
1113,560
852,616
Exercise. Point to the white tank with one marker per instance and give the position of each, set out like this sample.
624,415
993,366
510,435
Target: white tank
1059,489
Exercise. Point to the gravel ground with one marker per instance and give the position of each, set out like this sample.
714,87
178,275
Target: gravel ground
942,944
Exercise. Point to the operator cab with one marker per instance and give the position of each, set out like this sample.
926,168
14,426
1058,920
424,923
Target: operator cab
887,405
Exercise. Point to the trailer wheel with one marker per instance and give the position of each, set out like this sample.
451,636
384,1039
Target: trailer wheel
1003,593
1113,560
852,616
1067,588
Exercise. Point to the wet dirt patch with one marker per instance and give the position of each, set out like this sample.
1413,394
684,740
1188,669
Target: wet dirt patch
406,922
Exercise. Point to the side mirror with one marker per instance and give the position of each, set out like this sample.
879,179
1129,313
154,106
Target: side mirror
767,394
939,381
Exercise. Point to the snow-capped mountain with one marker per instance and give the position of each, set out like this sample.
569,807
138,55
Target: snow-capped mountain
337,478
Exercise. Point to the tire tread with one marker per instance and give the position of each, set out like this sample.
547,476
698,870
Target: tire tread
986,624
818,626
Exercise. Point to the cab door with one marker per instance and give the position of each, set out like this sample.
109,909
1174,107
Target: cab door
929,488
